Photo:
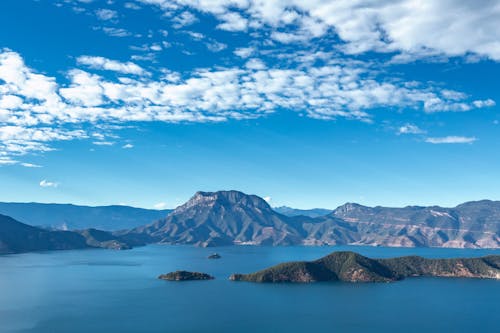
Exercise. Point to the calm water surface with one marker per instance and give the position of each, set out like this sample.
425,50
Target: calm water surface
117,291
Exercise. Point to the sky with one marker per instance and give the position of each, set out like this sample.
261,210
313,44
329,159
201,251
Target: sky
305,103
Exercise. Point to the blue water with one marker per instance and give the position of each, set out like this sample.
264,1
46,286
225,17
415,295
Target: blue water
117,291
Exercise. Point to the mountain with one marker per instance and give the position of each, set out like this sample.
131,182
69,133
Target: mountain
66,216
232,217
472,224
17,237
315,212
353,267
223,218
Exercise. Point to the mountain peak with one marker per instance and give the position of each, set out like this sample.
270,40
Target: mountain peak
225,198
348,207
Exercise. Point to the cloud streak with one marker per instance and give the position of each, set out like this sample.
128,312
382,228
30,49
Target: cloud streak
450,140
102,63
46,183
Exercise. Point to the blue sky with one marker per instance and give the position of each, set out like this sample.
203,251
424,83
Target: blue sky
309,105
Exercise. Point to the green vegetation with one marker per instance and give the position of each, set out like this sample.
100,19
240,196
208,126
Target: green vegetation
353,267
185,276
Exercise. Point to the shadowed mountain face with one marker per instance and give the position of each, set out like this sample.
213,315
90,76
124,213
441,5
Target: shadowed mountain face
232,217
17,237
223,218
352,267
63,216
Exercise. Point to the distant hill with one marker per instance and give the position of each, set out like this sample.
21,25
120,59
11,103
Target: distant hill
315,212
17,237
232,217
67,216
353,267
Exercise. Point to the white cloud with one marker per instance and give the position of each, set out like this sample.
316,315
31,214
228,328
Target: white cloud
30,165
244,52
128,146
7,161
36,110
268,199
451,139
232,22
103,143
183,20
160,206
114,32
215,46
195,35
256,64
106,14
46,183
485,103
416,28
410,129
131,5
85,89
110,65
21,140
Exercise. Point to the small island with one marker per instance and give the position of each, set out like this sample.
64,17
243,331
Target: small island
352,267
185,276
214,256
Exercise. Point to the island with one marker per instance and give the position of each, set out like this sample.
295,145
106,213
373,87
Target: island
352,267
185,276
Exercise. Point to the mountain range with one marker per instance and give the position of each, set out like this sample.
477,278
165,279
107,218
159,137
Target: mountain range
67,216
234,218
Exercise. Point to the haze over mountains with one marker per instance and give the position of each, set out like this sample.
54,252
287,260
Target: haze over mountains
235,218
314,212
67,216
17,237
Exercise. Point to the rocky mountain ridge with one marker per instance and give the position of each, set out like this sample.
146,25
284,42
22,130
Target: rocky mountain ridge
232,217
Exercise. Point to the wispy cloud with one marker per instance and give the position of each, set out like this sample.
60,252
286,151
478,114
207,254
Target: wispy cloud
450,139
244,52
111,65
160,205
183,20
410,129
47,183
106,14
30,165
103,143
114,32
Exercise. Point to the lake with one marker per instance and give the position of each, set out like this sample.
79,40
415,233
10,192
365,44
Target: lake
118,291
